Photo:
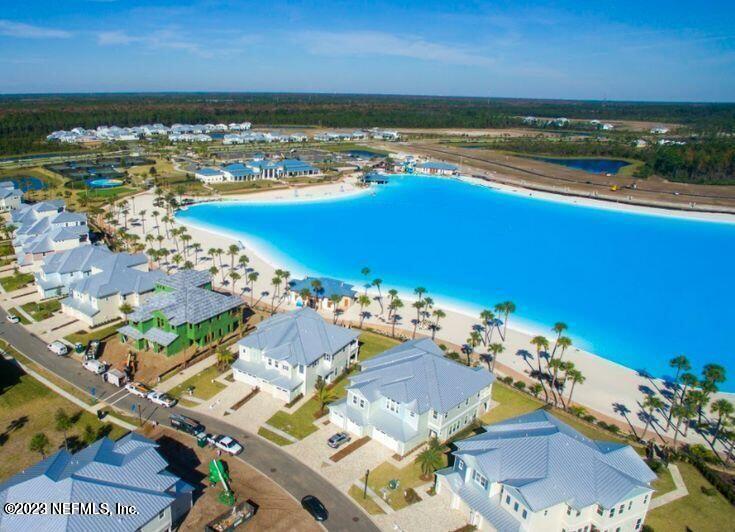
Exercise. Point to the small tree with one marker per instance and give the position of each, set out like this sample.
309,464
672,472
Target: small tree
225,357
323,394
63,424
39,444
430,459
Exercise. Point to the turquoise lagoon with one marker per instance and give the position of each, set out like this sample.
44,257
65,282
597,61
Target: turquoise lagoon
636,289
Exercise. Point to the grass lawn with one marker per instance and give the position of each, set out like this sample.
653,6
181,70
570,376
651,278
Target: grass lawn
108,192
409,477
696,511
272,436
664,483
21,317
367,503
27,407
42,310
205,387
301,423
16,281
6,249
84,337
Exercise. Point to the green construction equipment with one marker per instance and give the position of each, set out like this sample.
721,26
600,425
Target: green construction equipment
218,473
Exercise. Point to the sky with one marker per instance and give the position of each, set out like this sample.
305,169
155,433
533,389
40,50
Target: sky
572,49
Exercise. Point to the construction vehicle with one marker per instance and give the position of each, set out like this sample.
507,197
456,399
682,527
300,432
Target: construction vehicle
218,473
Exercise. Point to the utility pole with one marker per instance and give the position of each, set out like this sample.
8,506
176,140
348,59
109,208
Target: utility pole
364,490
140,416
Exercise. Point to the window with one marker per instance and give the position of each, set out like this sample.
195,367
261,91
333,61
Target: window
600,510
638,524
362,403
507,499
524,514
160,516
412,413
515,507
391,405
460,464
434,414
569,510
612,512
645,499
622,507
630,505
479,479
354,400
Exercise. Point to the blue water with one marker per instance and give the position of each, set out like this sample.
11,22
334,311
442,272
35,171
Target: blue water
636,289
104,183
367,154
593,166
28,183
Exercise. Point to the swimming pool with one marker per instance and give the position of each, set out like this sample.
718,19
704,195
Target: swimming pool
591,165
636,289
104,183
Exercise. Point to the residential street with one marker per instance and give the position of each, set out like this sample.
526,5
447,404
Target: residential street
296,478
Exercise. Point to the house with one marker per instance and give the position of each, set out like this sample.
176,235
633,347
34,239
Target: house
321,297
184,311
412,393
659,130
256,169
436,168
288,352
534,472
44,228
10,197
126,472
112,281
209,175
60,270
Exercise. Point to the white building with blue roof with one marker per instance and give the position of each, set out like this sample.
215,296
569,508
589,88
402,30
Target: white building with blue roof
288,352
126,472
255,169
320,293
436,168
10,196
412,393
534,472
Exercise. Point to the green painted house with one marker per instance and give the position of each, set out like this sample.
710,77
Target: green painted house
183,311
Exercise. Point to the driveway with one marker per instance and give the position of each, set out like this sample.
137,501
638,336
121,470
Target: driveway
314,451
293,476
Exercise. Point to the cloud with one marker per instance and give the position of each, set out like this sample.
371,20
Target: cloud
380,43
10,28
168,38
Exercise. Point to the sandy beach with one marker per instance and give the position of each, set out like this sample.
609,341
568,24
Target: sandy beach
611,391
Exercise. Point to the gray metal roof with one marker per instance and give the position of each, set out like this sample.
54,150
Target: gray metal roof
186,302
160,337
81,259
118,276
299,337
417,374
129,471
548,462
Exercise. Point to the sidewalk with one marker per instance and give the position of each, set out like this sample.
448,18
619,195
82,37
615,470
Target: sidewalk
187,373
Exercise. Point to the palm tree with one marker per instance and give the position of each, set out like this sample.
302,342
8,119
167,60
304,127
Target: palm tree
322,393
276,282
681,363
576,377
363,301
395,304
563,342
473,341
376,283
252,278
316,287
213,271
724,409
392,294
506,308
438,314
555,364
495,349
680,412
142,213
225,357
419,291
185,238
365,272
430,459
418,305
235,278
39,444
305,295
126,309
188,265
486,319
176,259
196,248
63,424
559,327
542,345
335,299
232,251
155,218
243,261
535,389
650,404
212,252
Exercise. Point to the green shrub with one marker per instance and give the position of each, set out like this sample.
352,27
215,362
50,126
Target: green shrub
709,491
507,380
520,385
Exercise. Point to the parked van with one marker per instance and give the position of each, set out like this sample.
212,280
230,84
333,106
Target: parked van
58,348
95,366
186,424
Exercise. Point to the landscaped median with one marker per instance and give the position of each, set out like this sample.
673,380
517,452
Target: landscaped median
273,437
203,387
300,423
42,310
366,501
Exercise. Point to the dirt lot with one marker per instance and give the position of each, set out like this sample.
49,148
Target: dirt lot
150,364
276,510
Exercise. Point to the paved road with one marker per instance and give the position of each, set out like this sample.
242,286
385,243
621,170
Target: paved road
295,477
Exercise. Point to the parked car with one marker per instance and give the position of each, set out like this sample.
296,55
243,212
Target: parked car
136,388
12,318
187,424
226,444
59,348
93,350
95,366
161,399
315,508
338,439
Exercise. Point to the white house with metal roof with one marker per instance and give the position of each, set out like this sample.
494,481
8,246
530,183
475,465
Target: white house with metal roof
126,472
436,168
412,393
111,282
534,472
288,352
44,228
10,197
321,292
255,169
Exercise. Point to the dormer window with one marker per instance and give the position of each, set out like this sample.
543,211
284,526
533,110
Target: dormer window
479,479
391,405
